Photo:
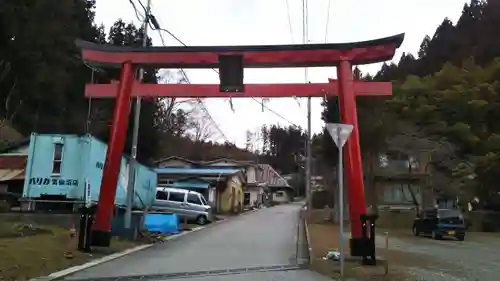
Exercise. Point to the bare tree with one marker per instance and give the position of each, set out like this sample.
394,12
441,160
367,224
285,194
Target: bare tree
199,128
249,141
171,116
171,106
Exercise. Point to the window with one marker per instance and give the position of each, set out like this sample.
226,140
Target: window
430,214
246,198
165,181
383,161
450,213
58,157
203,200
400,193
161,195
194,199
176,196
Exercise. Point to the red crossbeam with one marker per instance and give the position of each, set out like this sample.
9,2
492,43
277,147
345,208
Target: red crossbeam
308,55
251,90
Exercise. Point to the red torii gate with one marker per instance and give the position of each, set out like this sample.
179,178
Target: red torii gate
343,56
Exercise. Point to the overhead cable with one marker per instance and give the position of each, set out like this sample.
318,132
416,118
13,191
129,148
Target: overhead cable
216,71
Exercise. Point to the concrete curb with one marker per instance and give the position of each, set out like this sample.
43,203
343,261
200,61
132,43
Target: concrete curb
95,262
65,272
308,241
68,271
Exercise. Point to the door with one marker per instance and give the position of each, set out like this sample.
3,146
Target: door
176,202
429,223
212,195
246,199
419,222
194,206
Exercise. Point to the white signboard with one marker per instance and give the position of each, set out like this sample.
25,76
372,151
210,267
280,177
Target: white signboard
339,132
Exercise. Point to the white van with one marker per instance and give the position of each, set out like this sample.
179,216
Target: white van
187,204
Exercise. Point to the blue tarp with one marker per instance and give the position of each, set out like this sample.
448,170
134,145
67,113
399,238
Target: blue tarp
162,223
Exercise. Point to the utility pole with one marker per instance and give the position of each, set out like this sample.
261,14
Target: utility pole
340,176
309,157
135,130
308,134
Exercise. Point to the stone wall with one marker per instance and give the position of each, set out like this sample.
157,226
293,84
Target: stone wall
487,221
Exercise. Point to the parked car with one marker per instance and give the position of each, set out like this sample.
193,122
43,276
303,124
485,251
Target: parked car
187,204
439,223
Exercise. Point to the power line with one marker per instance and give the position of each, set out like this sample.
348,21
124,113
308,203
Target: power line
153,23
277,114
291,37
327,19
289,19
144,7
138,15
157,27
305,39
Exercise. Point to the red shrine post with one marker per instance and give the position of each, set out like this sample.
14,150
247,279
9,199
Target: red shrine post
343,56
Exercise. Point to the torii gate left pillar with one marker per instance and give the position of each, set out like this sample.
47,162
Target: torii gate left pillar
341,55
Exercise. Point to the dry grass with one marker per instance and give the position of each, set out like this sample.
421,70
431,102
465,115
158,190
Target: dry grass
23,258
324,237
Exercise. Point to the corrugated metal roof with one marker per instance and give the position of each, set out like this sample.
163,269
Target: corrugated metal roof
12,167
194,171
6,175
176,158
13,162
271,177
187,185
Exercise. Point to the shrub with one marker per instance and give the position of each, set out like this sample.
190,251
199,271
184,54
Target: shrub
4,206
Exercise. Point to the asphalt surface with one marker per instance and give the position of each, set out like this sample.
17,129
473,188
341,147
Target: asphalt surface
476,258
258,246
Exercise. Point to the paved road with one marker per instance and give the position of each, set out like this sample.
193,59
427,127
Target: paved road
476,258
261,239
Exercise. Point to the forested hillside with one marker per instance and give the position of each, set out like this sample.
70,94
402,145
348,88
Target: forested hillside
42,80
446,102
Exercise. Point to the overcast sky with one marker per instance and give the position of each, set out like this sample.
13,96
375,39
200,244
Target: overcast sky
262,22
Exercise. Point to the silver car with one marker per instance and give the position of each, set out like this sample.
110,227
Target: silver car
187,204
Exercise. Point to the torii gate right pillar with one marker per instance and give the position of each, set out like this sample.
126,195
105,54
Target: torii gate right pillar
352,155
